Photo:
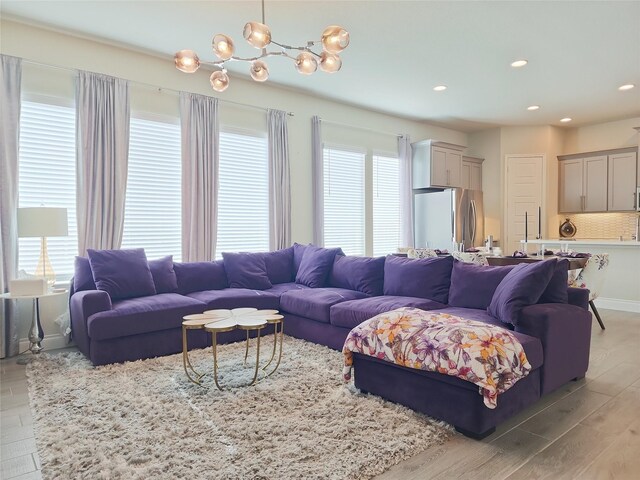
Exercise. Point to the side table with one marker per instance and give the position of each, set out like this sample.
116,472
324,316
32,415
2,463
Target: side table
36,333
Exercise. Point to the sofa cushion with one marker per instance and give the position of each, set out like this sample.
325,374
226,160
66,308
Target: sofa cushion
246,270
473,285
142,315
280,288
279,265
316,303
315,266
237,298
522,286
353,313
298,253
363,274
419,277
82,275
532,345
122,273
164,276
556,291
199,276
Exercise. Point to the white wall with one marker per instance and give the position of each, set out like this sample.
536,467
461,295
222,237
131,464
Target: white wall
602,136
71,52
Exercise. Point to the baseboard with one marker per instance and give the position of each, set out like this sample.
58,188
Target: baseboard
617,304
50,342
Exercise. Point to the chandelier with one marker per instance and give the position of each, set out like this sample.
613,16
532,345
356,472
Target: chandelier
334,40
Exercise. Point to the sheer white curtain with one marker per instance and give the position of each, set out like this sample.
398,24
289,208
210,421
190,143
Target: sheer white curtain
200,182
406,191
102,136
279,181
10,78
318,181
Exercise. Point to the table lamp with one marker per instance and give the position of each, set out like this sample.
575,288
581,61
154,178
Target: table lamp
43,222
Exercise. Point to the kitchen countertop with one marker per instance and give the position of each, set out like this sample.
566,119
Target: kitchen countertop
587,241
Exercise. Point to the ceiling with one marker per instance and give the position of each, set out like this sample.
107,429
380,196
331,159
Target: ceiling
579,53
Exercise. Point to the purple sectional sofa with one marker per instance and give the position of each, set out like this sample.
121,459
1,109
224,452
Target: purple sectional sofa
125,308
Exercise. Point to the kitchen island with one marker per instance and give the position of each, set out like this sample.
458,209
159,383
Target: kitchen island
621,290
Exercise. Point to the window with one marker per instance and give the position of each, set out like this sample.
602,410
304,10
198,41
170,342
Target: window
47,176
386,205
243,195
153,205
344,200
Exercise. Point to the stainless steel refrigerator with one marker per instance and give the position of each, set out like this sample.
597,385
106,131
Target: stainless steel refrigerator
443,217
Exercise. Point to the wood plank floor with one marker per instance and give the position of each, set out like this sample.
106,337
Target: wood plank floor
586,430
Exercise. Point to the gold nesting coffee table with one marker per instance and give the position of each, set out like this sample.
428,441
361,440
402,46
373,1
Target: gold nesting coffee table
219,321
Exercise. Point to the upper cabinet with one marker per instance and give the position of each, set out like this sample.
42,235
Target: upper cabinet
437,164
622,181
597,181
472,173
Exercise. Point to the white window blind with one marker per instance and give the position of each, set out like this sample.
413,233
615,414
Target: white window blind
47,176
152,217
243,195
386,205
344,200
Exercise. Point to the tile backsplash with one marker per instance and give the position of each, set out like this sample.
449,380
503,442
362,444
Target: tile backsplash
603,225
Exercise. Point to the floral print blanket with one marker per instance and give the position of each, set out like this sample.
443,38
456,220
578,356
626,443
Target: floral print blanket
486,355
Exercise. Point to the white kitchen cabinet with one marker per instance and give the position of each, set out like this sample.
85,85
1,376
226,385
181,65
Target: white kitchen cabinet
622,181
583,184
471,177
437,164
598,181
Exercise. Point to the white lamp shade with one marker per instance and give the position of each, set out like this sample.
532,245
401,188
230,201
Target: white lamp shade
42,222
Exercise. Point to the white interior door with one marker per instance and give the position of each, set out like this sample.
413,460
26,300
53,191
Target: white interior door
524,193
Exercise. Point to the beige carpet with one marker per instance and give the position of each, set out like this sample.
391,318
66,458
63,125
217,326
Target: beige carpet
145,420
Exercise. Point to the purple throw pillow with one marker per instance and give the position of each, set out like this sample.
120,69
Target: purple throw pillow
82,275
164,276
418,277
279,265
473,286
122,273
315,266
246,270
200,276
363,274
557,290
298,252
521,287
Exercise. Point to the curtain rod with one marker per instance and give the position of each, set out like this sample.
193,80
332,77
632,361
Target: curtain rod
149,85
360,128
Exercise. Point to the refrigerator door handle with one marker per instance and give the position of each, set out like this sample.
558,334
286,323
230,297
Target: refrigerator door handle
473,218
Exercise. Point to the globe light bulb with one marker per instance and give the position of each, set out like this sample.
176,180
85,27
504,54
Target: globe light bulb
306,64
335,39
186,61
259,71
223,46
257,34
330,62
219,80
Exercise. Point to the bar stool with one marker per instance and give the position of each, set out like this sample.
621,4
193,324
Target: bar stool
592,277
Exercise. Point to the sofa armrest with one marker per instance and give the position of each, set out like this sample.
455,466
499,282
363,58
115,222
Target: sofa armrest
81,306
565,333
579,297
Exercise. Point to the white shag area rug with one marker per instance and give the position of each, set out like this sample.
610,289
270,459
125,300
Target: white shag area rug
145,420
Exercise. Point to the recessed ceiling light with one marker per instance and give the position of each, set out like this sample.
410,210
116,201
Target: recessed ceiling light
565,119
628,86
440,88
533,107
519,63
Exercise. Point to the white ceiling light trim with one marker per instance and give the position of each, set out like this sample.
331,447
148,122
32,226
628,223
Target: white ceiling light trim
334,40
440,88
566,119
533,107
519,63
627,86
